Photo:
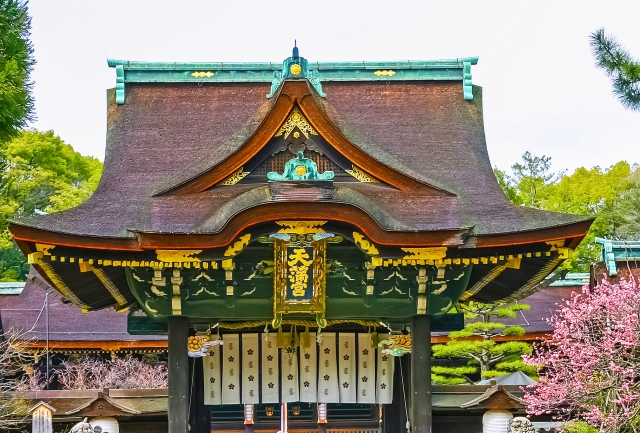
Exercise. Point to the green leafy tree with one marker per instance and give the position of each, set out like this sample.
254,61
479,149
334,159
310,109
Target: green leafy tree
624,213
476,342
41,173
603,194
506,185
16,63
610,195
618,64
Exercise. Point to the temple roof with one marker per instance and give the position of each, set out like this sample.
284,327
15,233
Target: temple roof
399,166
167,134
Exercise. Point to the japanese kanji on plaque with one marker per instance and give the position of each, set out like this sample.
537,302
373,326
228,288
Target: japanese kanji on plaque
300,276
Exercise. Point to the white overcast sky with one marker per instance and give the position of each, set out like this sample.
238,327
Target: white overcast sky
542,92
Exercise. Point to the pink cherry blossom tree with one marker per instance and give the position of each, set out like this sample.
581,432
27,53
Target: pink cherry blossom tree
590,366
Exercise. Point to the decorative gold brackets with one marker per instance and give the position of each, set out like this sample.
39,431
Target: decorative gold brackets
301,227
361,175
296,120
436,253
235,177
177,256
238,246
364,244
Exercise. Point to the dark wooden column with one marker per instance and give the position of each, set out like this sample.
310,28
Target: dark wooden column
421,374
178,374
394,416
199,415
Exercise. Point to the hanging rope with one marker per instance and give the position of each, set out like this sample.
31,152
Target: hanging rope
404,396
193,367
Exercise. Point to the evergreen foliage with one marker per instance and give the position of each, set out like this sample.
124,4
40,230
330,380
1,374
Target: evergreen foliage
611,196
618,64
16,63
477,343
40,173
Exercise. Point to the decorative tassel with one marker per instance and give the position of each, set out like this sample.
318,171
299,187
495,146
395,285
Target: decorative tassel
305,338
374,339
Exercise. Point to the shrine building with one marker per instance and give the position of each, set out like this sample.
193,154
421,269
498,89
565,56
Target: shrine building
299,229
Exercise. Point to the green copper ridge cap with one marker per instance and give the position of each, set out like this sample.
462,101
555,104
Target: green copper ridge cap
572,279
458,69
271,66
618,251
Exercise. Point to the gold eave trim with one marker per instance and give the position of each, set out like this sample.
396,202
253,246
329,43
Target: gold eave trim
61,287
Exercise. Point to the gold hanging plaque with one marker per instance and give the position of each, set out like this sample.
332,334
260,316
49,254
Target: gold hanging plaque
300,276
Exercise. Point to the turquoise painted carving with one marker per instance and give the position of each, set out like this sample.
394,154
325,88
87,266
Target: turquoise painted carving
300,168
275,84
314,79
296,67
120,84
466,81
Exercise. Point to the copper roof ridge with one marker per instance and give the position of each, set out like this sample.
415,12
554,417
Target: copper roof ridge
488,393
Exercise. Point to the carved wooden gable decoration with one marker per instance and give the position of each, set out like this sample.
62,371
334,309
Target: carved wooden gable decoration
297,135
296,123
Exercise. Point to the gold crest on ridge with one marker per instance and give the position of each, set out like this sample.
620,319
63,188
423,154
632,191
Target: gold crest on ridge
295,69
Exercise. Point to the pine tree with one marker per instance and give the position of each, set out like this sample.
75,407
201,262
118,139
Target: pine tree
477,343
623,70
16,63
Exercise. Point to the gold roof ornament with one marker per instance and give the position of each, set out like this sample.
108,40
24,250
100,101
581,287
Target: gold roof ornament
296,120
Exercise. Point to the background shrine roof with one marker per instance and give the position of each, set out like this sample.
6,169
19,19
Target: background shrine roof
22,311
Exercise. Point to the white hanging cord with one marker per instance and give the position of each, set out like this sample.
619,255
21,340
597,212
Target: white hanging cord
193,366
385,325
404,396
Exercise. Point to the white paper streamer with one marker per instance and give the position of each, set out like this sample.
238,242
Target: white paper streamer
250,363
384,379
211,373
289,377
347,367
231,369
366,370
270,382
328,370
308,371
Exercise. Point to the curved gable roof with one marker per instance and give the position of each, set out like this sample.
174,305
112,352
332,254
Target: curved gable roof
422,137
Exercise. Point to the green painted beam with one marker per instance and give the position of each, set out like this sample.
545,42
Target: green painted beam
139,323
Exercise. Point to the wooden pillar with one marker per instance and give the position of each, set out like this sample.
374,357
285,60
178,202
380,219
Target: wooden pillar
421,374
199,415
394,415
178,374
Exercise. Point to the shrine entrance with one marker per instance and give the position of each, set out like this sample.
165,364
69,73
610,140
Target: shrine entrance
298,230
